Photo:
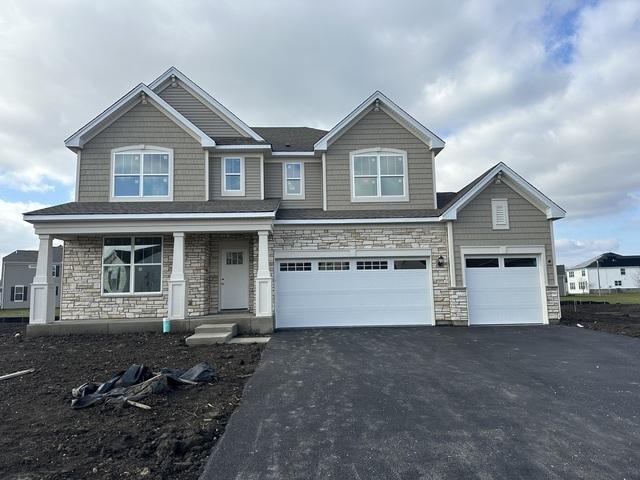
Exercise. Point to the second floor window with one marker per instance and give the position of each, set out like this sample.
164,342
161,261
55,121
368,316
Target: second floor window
293,185
233,176
379,175
141,175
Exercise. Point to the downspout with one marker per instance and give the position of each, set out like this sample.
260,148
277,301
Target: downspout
324,181
452,261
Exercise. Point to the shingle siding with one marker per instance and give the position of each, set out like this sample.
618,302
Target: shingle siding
527,226
143,124
252,190
312,185
198,113
378,129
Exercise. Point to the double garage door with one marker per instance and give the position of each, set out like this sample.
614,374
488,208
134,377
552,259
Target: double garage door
340,292
504,290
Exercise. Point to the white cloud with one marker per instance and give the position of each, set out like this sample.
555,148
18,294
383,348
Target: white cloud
16,234
572,252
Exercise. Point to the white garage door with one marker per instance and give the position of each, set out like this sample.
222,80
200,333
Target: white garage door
504,290
345,292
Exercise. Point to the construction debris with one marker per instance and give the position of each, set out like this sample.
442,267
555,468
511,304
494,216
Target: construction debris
138,382
17,374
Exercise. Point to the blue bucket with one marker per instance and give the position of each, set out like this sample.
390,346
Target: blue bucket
166,325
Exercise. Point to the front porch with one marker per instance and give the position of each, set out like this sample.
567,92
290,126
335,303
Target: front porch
190,277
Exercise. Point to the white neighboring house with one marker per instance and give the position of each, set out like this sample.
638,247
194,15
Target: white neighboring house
607,272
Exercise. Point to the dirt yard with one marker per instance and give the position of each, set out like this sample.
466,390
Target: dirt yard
611,318
41,437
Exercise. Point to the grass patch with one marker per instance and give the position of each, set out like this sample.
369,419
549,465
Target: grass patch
626,298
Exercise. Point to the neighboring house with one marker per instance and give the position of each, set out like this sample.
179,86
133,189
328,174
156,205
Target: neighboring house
563,285
184,211
18,270
606,272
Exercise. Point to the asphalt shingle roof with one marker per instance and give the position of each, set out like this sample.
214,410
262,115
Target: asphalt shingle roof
31,256
211,206
292,139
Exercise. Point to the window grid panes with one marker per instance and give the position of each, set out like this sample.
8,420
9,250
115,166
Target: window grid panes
618,283
293,178
332,266
132,265
233,174
379,175
141,174
372,265
234,258
295,267
18,293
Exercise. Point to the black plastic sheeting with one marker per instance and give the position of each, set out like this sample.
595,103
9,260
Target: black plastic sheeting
138,382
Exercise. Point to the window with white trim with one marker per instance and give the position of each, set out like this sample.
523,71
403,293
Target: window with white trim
233,176
131,265
293,180
379,175
623,271
18,293
295,267
333,265
582,285
618,283
572,286
500,213
142,174
571,274
372,265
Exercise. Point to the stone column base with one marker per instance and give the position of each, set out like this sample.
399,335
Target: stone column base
553,304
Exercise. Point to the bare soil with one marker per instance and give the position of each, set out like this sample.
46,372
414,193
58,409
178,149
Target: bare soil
41,437
612,318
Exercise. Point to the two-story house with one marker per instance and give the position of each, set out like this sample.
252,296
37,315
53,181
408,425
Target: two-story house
18,270
184,211
605,273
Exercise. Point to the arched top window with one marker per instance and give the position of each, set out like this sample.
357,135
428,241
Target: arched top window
141,172
379,174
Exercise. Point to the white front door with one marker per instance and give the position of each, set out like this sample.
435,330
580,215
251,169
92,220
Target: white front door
504,290
348,292
234,278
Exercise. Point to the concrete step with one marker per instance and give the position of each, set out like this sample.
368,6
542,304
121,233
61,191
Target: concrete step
218,328
208,338
246,340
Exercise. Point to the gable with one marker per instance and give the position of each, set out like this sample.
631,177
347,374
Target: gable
377,102
519,207
195,110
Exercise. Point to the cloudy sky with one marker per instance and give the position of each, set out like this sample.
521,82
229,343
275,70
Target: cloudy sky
550,88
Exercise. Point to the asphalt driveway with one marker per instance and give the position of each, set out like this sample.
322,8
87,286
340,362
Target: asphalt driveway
431,403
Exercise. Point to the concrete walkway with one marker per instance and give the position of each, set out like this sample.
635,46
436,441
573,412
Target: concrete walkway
435,403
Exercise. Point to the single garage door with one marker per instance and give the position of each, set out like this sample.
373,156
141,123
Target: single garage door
346,292
504,290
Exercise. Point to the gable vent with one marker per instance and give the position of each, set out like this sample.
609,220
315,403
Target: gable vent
500,213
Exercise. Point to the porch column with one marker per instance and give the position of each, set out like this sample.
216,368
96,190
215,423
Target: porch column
263,278
43,300
177,284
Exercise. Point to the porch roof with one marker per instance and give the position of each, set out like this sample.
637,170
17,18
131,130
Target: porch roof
158,208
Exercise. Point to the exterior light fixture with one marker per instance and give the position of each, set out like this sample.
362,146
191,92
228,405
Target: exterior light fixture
441,261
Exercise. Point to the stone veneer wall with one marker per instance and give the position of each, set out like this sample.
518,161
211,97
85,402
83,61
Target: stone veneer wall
81,299
553,304
433,236
215,242
459,306
197,273
80,296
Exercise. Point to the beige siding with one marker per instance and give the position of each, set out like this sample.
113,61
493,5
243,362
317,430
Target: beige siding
252,190
143,124
527,226
312,185
378,129
198,113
